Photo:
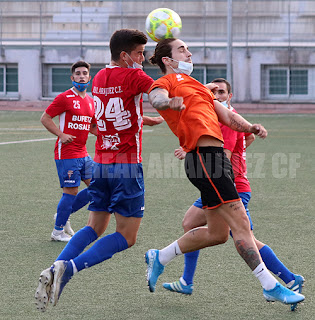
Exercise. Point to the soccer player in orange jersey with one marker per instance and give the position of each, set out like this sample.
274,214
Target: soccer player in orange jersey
235,145
193,114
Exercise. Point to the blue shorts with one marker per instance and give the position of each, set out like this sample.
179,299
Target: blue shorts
245,197
117,187
72,171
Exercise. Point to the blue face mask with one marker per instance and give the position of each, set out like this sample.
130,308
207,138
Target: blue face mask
80,86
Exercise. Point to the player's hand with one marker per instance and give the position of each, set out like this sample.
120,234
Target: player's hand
180,153
259,130
177,104
66,138
211,86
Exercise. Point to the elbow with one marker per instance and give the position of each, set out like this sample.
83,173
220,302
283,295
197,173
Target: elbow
44,117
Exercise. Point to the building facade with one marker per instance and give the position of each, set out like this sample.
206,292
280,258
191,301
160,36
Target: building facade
272,44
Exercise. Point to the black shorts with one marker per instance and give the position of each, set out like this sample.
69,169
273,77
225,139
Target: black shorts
209,170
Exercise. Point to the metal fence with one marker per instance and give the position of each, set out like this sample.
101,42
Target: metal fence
273,43
95,21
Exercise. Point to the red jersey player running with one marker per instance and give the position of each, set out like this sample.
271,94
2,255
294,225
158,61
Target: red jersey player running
235,144
76,119
117,186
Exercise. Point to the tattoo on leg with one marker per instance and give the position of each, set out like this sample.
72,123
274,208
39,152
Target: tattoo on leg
193,231
235,205
248,254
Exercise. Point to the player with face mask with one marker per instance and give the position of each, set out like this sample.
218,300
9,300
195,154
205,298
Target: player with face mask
117,188
235,145
75,109
193,114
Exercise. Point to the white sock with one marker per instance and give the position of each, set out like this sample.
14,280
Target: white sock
57,232
266,279
74,267
169,253
182,280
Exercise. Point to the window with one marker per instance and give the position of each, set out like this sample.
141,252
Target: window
215,72
60,79
298,81
291,83
153,72
56,79
9,80
199,74
203,74
278,81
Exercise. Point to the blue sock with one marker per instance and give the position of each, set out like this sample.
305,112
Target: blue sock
102,250
191,259
275,265
81,199
78,243
64,209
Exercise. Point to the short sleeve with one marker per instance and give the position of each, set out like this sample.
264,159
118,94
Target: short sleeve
162,83
141,81
57,107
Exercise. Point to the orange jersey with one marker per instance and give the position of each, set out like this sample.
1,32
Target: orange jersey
198,119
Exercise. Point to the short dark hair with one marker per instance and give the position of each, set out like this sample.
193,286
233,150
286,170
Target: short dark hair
222,80
78,64
125,40
162,49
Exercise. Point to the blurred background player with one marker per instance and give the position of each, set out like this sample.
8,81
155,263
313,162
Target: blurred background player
235,144
117,185
193,115
75,109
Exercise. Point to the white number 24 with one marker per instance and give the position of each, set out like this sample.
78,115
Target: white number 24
114,111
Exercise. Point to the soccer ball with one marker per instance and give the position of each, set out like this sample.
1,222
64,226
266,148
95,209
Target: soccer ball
163,23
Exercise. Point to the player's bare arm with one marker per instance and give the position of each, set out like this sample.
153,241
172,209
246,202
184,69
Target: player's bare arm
152,121
160,100
249,140
49,124
237,122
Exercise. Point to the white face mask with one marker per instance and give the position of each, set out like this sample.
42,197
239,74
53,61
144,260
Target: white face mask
183,67
225,103
135,65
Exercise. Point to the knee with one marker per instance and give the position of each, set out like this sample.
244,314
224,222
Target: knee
244,224
131,242
187,225
223,238
131,239
216,238
190,223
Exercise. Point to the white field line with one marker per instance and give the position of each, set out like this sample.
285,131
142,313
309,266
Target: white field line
25,141
23,129
39,140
